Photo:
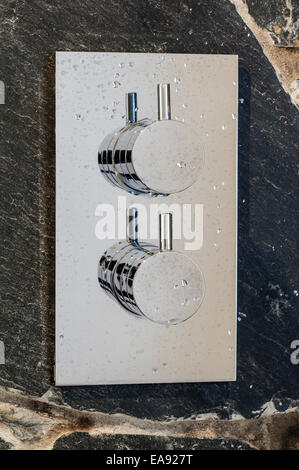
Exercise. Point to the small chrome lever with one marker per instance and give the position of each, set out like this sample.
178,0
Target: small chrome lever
131,108
164,107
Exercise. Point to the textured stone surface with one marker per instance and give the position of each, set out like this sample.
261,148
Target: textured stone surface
4,445
30,423
280,18
285,59
85,441
30,33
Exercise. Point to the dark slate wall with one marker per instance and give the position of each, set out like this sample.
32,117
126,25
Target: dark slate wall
30,34
84,441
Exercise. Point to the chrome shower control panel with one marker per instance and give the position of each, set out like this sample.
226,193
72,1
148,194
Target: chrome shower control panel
146,225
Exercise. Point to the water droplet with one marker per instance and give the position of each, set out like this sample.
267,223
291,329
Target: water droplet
185,65
234,116
230,348
241,100
116,84
176,286
185,302
202,116
196,298
207,134
131,64
223,127
215,244
155,371
177,90
296,293
78,117
219,206
176,80
219,230
235,83
190,31
222,183
229,332
61,336
184,105
121,65
215,187
157,309
116,75
181,164
184,283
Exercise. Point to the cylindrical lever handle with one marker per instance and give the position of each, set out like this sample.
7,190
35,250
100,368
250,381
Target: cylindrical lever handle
131,107
164,108
132,225
165,231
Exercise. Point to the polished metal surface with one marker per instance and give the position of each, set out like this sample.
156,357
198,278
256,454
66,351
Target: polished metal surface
164,286
152,156
165,232
168,287
164,106
99,340
132,225
168,156
131,107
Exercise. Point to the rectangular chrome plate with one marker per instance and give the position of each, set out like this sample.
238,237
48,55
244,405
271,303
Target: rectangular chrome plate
97,342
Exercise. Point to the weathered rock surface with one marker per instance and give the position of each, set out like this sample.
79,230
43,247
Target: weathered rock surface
276,23
30,423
